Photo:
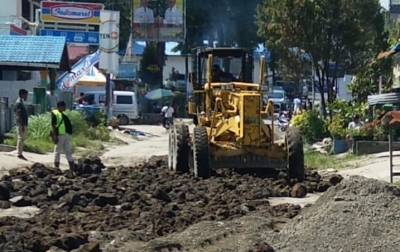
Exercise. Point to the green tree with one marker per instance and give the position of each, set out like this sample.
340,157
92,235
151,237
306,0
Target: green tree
371,71
328,30
150,70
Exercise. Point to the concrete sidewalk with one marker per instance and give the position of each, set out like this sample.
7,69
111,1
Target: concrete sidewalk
379,170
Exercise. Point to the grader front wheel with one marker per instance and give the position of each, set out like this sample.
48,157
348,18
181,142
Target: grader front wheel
181,158
294,145
201,158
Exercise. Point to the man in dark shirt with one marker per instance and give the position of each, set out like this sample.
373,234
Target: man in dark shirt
21,116
220,76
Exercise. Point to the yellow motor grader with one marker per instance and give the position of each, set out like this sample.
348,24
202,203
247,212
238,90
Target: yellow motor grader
228,115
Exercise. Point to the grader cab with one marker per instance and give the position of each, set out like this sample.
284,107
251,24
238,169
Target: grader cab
227,110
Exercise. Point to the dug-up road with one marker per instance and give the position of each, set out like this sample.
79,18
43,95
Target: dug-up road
127,201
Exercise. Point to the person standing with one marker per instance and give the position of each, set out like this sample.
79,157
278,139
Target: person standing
52,100
167,112
61,131
21,115
354,125
173,15
143,14
296,103
80,99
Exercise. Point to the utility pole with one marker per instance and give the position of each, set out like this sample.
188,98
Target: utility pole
109,92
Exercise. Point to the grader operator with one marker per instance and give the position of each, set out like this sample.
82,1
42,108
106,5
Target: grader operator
229,130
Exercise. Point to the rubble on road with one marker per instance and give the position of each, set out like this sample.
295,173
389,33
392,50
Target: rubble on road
145,202
324,147
359,214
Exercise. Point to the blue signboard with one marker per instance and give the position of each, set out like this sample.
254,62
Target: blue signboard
127,70
77,37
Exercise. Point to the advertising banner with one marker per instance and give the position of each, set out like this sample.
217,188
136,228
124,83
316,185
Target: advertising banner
159,20
109,41
68,12
80,69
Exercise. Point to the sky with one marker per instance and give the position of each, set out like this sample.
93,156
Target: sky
385,4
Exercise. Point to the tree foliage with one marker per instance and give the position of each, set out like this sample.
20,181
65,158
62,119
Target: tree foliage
150,69
338,31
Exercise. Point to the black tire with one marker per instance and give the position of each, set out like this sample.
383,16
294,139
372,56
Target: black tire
182,149
123,120
195,120
171,148
201,158
295,148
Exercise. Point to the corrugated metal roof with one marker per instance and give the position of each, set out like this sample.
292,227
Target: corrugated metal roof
33,51
76,51
40,49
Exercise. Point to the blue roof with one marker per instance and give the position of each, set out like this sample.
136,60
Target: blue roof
32,51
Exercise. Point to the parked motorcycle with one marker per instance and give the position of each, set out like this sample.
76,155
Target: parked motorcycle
283,121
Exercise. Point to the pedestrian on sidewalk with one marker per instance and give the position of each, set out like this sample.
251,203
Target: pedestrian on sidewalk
21,115
61,132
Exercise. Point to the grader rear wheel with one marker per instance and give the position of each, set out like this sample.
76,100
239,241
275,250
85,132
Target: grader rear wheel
201,158
180,160
294,145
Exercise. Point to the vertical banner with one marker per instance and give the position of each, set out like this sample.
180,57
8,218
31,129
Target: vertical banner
159,20
109,41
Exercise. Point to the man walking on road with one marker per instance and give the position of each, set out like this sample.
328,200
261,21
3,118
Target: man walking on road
167,112
296,103
61,131
21,114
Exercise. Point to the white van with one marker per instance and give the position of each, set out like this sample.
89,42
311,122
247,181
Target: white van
125,106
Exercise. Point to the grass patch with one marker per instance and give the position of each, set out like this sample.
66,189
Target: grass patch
84,136
397,183
316,160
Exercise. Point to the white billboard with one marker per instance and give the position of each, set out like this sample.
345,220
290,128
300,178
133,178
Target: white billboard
109,41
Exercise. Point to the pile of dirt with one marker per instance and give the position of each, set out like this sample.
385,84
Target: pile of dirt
148,201
359,214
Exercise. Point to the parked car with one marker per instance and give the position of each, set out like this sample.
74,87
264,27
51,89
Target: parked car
279,98
125,106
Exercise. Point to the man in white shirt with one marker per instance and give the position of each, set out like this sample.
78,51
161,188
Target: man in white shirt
167,112
173,15
143,14
356,124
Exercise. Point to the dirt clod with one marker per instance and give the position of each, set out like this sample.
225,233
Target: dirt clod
299,191
263,247
147,201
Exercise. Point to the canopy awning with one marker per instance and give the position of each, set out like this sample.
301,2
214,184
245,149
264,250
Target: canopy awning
93,77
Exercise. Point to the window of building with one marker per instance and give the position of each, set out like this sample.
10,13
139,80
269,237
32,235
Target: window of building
102,98
23,75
